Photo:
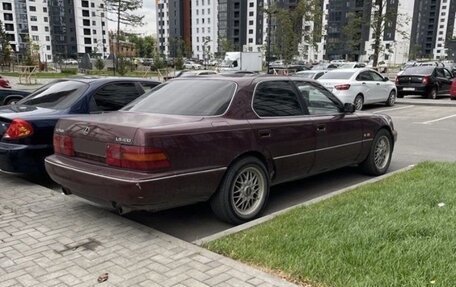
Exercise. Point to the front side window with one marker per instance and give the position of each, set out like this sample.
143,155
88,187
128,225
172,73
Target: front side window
113,97
364,76
376,77
318,101
276,99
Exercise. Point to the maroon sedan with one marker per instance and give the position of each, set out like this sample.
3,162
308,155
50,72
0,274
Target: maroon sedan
222,139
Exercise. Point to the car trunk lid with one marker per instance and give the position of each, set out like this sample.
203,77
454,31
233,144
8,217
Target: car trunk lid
403,80
91,136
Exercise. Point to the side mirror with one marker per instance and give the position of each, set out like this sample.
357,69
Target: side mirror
386,79
349,108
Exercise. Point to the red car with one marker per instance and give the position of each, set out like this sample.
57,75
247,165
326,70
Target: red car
222,139
4,83
453,90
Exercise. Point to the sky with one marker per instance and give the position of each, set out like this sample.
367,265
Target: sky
150,25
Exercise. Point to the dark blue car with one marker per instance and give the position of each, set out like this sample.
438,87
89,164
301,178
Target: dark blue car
27,127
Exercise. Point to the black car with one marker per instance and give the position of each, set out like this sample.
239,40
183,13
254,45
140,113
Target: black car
427,81
26,127
8,96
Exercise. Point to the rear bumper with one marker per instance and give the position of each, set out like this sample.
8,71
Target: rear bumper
23,159
133,190
417,90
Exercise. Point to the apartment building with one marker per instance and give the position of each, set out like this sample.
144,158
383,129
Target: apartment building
8,17
38,28
204,15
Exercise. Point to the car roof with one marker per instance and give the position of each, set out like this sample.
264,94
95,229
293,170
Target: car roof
94,79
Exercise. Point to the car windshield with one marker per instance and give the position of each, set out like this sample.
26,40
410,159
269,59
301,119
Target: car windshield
187,97
57,95
420,71
337,75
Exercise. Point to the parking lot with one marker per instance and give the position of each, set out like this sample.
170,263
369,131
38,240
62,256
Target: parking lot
425,133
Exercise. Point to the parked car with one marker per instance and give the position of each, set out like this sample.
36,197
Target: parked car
222,139
453,90
4,83
9,96
360,86
70,62
193,73
325,66
427,81
311,74
352,65
192,65
26,127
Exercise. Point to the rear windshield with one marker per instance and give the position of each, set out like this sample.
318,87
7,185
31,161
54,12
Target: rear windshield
334,75
57,95
193,97
420,71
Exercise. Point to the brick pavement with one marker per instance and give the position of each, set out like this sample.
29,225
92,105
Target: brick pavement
47,239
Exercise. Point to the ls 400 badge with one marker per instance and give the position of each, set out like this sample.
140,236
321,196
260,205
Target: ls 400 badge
123,140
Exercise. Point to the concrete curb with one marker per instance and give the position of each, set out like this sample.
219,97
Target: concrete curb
437,103
268,217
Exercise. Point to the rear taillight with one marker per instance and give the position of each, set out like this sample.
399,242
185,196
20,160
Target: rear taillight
136,157
397,81
425,80
342,87
63,145
18,129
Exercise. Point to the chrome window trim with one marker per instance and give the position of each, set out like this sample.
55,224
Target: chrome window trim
133,181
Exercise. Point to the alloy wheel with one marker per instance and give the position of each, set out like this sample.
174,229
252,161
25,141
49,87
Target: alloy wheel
382,152
248,191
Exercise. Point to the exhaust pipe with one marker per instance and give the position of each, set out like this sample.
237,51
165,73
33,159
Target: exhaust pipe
121,210
66,191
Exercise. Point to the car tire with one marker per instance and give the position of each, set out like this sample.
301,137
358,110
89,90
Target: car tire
391,99
432,94
358,102
235,200
379,157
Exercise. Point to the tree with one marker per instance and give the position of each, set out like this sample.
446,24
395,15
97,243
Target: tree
225,45
99,64
123,9
384,16
351,33
4,46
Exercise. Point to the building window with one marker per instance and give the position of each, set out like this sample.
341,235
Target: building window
85,13
48,38
8,17
251,13
45,9
250,40
250,31
35,38
46,19
33,18
46,28
251,4
48,48
32,9
7,7
34,28
9,27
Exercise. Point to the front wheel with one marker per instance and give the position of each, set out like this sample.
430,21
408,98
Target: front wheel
243,193
379,158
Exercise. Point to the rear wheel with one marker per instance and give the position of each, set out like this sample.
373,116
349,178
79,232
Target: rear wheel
391,99
358,102
243,192
379,158
432,93
11,101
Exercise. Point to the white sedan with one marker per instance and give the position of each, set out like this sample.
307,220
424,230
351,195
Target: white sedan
192,65
360,86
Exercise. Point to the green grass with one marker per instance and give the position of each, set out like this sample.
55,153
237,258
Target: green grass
390,233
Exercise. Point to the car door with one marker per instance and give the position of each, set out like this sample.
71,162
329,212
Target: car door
382,88
441,80
283,129
367,86
114,96
338,134
446,81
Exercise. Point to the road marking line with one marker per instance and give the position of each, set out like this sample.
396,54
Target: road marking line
440,119
394,109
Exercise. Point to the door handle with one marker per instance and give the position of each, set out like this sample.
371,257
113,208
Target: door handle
266,133
363,83
321,128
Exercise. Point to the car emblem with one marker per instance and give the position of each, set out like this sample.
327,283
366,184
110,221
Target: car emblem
86,131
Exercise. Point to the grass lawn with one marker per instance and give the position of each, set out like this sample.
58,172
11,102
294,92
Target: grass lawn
389,233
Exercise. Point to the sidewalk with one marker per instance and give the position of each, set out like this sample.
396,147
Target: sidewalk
47,239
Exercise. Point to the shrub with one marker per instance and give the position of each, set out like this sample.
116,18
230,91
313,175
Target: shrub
69,71
99,64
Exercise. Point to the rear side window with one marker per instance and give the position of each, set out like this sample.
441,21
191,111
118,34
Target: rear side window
147,86
57,95
113,97
276,99
193,97
334,75
364,76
